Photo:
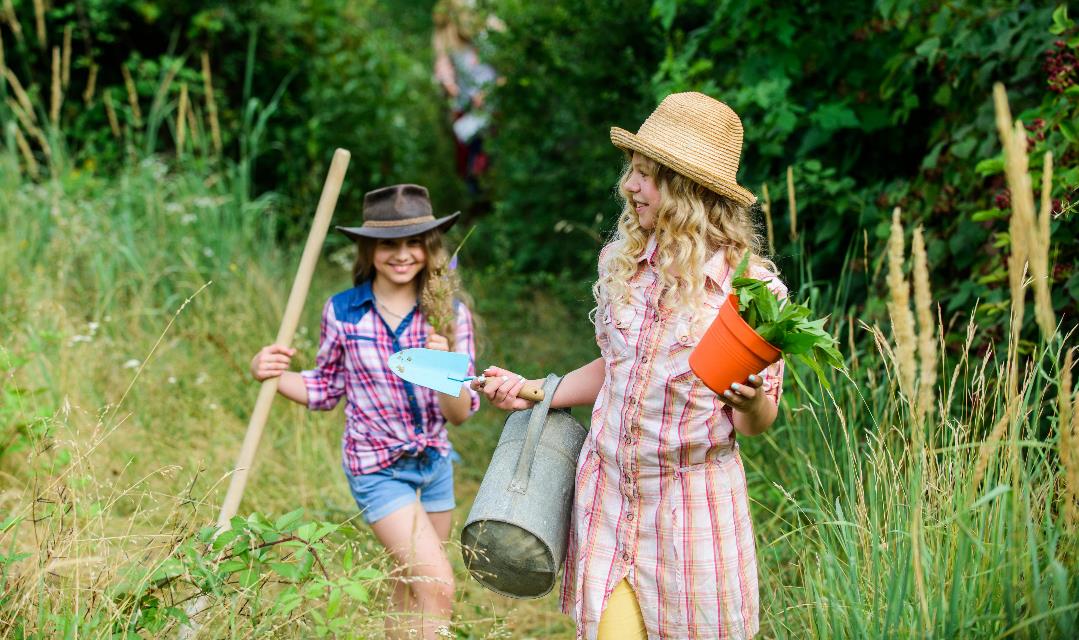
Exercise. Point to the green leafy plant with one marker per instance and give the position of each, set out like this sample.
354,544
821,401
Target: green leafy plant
787,326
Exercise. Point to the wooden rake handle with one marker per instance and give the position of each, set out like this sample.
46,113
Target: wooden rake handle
326,204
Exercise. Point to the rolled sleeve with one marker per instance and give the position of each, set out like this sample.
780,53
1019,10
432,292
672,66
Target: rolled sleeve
465,342
326,382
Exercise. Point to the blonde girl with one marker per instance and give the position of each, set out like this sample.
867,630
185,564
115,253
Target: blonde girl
396,454
661,544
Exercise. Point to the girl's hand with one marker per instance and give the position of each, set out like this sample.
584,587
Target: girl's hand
501,389
437,342
271,361
746,397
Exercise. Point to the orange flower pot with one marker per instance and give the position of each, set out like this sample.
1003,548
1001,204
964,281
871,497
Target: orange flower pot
730,351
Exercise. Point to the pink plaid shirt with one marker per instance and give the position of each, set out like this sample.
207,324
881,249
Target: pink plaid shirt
660,491
385,417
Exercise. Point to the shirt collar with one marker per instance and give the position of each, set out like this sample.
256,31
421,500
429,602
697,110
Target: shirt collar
716,268
361,295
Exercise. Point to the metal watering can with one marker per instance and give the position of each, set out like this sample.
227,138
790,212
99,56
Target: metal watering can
514,541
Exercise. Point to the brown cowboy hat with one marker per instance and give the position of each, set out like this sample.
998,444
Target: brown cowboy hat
697,136
398,211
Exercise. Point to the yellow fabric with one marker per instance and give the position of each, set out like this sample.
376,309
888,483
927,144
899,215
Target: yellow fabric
622,619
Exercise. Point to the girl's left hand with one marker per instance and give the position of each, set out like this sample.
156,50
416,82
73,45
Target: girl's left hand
437,342
745,397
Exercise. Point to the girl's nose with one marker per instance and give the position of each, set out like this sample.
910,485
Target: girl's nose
632,185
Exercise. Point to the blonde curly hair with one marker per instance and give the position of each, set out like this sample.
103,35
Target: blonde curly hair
692,223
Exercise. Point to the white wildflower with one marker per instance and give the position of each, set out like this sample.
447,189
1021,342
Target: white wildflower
188,218
133,363
172,379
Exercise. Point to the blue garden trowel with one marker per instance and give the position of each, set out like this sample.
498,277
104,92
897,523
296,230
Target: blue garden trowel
443,371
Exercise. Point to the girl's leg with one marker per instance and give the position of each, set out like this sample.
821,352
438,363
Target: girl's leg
622,619
427,578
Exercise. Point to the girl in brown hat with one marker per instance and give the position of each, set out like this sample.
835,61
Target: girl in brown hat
661,543
396,454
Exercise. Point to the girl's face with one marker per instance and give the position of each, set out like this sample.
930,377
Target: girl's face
399,260
643,192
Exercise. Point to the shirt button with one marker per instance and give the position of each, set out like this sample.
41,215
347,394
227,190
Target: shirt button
625,556
628,439
644,359
684,340
629,516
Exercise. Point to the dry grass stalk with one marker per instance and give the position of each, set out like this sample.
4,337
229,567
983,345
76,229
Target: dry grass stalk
181,120
27,154
27,123
899,309
1039,255
163,89
1068,425
1013,140
110,111
57,93
437,300
3,61
132,95
91,85
20,93
792,203
850,342
194,125
211,104
65,75
766,207
12,20
923,304
39,22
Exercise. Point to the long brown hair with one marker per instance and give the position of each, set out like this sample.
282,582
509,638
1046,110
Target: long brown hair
438,287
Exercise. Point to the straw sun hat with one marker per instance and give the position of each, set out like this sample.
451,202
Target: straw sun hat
695,135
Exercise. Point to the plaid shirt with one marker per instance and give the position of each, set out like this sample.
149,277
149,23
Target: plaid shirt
660,489
385,417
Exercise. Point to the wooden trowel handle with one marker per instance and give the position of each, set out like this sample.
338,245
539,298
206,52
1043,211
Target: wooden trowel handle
530,391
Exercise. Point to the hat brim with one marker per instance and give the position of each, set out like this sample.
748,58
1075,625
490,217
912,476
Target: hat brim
384,233
631,142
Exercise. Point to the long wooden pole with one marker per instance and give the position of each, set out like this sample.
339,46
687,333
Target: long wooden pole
319,227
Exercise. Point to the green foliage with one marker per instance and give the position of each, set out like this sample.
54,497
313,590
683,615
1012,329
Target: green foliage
291,81
786,326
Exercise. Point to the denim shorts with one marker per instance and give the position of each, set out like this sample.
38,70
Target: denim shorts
381,493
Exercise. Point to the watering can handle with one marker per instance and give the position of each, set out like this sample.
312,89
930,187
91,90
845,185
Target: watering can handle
536,421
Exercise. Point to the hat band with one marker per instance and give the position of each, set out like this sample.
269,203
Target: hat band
397,223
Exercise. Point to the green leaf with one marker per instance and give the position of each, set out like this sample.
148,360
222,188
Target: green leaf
990,166
356,591
289,521
285,570
1061,23
250,578
1068,131
988,214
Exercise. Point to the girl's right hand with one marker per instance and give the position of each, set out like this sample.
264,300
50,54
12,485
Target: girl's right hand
501,388
271,361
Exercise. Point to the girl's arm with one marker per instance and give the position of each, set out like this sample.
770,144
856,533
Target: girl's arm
578,387
273,360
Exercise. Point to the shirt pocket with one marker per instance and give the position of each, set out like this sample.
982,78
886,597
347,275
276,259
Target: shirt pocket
683,338
359,348
619,324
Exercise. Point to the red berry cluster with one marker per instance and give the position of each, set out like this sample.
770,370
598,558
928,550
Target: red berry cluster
1003,199
1061,66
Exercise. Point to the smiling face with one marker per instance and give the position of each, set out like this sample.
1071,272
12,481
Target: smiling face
642,192
399,260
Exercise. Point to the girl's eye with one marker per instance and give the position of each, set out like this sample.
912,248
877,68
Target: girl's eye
415,242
